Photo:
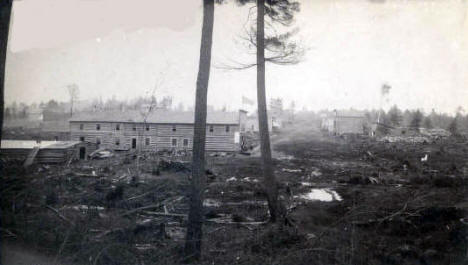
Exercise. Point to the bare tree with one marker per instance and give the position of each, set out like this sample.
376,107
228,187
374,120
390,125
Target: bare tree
5,13
280,47
195,218
277,48
270,182
73,92
145,113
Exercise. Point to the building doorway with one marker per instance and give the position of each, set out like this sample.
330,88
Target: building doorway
82,152
133,143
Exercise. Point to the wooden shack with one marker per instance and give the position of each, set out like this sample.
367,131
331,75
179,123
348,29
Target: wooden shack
344,122
53,152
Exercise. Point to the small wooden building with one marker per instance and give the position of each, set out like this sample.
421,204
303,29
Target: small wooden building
45,151
340,123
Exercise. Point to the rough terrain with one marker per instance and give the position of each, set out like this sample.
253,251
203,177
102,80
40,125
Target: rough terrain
350,201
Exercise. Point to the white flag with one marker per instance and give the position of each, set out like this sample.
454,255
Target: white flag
385,89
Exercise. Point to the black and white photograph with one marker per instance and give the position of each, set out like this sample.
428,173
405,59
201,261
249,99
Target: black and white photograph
222,132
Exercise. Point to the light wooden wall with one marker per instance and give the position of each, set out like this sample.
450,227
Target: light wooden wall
160,135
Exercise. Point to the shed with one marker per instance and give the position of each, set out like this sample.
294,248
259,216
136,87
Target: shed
344,123
45,151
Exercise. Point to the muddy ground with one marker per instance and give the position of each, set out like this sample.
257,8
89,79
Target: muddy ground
350,201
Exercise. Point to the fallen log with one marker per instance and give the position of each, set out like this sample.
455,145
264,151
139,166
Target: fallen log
206,220
235,223
59,214
86,175
11,234
107,232
139,196
152,206
166,214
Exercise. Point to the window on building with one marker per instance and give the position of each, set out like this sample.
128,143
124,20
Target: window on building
117,141
81,126
174,142
82,138
134,127
174,128
227,128
147,127
117,127
185,142
98,126
98,140
211,128
147,141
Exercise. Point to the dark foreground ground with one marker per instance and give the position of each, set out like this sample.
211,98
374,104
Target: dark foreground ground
351,202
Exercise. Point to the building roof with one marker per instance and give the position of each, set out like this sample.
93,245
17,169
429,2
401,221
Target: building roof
350,113
157,116
30,144
350,117
55,126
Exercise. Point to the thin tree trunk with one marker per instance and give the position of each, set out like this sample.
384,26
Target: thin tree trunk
267,165
5,13
195,218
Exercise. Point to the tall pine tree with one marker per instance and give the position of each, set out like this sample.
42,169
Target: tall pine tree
195,219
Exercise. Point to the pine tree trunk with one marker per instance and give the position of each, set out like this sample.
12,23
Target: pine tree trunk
195,218
269,179
5,13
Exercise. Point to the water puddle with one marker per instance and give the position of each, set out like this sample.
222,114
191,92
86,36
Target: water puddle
216,203
326,195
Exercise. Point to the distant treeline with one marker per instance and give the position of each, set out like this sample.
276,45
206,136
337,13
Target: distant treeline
395,117
31,111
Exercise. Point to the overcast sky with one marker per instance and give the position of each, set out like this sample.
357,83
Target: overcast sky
123,48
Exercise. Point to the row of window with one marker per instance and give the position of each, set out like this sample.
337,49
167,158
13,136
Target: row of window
147,128
185,142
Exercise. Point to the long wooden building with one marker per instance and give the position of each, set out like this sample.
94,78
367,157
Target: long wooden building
158,130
